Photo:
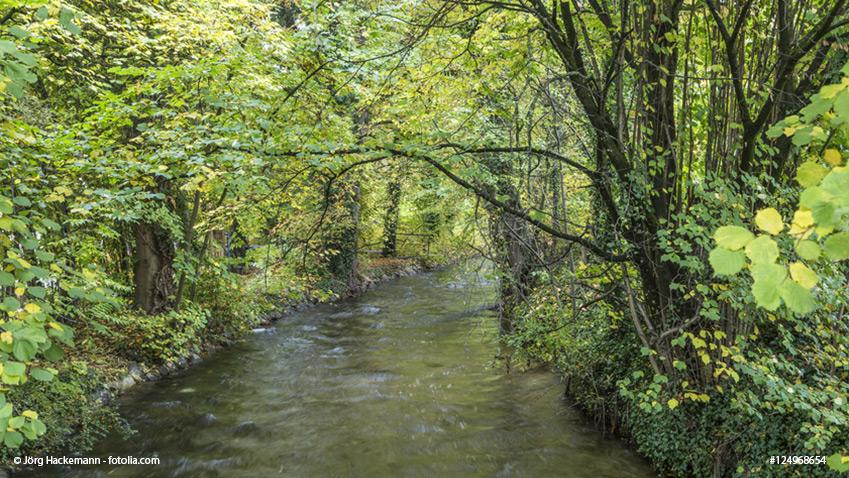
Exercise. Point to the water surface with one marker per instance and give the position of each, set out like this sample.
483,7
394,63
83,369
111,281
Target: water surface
393,384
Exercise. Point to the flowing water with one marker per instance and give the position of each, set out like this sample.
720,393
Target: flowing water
393,384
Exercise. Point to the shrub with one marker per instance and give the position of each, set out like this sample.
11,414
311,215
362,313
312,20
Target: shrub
166,337
68,406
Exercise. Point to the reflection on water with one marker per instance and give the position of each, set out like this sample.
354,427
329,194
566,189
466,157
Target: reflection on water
393,384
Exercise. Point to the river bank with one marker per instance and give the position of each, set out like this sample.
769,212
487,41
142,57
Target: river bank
377,272
78,407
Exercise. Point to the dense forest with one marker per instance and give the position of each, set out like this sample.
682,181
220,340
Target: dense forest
660,186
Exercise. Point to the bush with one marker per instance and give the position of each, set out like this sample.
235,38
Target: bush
166,337
727,432
75,418
232,307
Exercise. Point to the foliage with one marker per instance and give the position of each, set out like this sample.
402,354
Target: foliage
150,205
818,227
816,241
161,338
70,405
172,170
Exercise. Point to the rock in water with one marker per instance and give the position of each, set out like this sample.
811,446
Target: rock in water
245,429
369,309
135,371
207,419
124,384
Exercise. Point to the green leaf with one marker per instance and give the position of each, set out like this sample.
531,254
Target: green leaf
24,350
836,183
6,279
841,106
18,32
22,201
797,298
811,196
802,135
823,213
66,17
39,427
732,237
828,91
766,295
44,256
41,374
808,250
40,272
836,246
762,250
10,304
14,369
54,353
770,273
838,463
817,107
13,439
810,173
673,403
767,277
725,262
51,224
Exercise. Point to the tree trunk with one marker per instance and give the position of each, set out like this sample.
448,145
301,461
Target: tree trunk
390,221
343,265
511,238
154,257
188,232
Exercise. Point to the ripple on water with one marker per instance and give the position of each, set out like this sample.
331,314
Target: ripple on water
203,468
346,314
166,404
264,330
296,342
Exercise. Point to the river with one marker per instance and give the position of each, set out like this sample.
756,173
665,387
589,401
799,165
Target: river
397,383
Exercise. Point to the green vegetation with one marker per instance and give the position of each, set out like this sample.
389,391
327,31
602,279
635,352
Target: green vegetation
661,185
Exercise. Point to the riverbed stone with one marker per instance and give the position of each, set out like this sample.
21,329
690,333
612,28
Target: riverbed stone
135,371
369,310
164,370
102,396
246,428
123,384
207,419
